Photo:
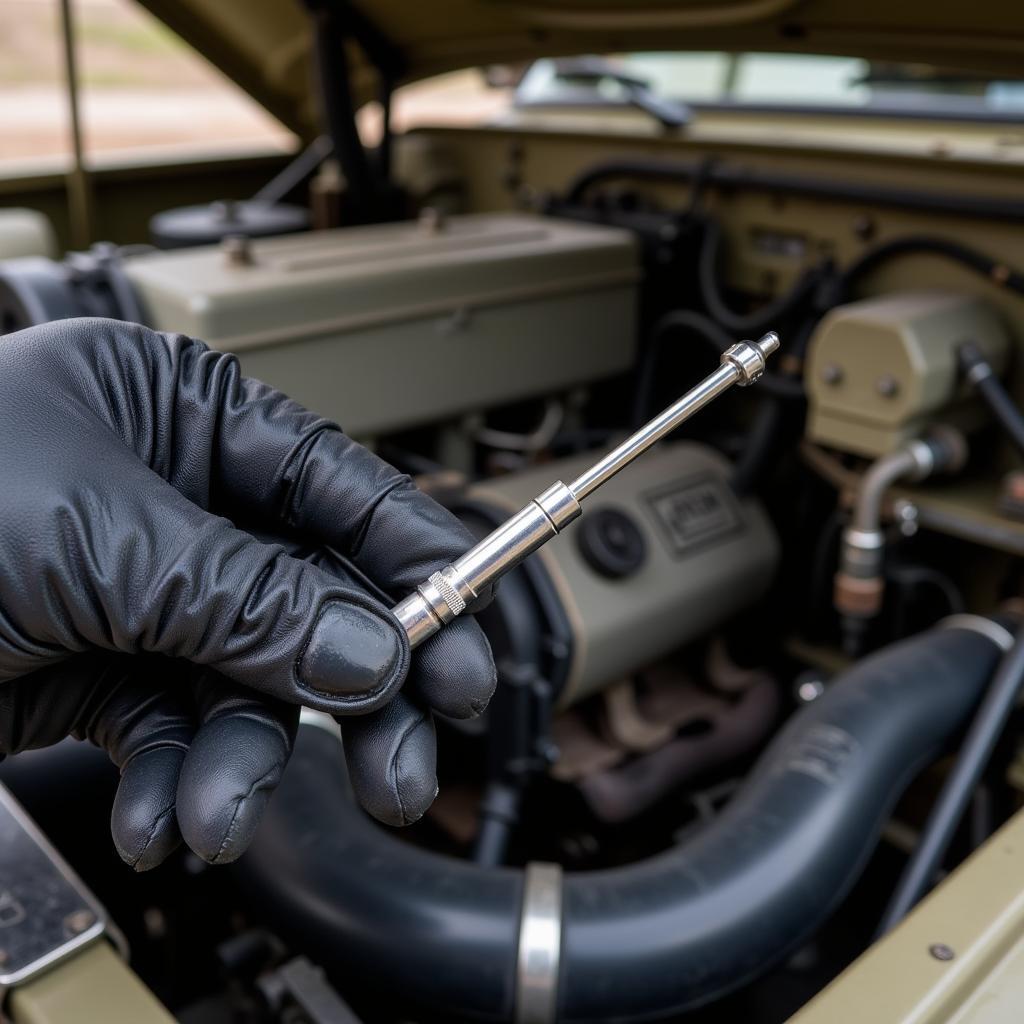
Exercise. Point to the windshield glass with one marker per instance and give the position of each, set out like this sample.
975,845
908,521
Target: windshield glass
795,81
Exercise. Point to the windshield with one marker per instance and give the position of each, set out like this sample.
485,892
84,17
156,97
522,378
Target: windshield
794,81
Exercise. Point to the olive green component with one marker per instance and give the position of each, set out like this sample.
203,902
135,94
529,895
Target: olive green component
958,958
704,555
397,325
25,233
93,987
879,371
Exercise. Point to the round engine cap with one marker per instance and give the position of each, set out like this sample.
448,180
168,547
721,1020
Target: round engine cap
208,224
611,543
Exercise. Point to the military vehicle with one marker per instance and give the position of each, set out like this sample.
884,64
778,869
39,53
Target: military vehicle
755,753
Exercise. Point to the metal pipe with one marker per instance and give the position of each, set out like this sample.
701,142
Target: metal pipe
447,593
859,583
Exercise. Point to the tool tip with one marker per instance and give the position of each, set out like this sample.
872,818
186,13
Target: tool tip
768,343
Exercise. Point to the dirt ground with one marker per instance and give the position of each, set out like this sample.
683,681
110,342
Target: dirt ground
142,88
146,93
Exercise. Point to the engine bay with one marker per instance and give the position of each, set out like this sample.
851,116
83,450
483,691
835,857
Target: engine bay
732,694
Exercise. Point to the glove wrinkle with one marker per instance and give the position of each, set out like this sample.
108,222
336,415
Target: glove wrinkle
263,785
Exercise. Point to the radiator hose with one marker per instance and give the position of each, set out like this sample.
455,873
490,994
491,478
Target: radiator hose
638,942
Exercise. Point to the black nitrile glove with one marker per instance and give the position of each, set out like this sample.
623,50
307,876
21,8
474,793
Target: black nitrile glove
126,457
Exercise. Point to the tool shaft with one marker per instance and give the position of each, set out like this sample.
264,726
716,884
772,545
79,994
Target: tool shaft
447,593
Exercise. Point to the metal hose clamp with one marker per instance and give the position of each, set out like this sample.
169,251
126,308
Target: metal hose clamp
540,945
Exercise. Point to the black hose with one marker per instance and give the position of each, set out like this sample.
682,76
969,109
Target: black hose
733,176
959,787
638,942
768,315
980,373
995,272
716,339
768,431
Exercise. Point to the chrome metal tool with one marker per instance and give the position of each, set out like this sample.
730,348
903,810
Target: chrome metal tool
447,593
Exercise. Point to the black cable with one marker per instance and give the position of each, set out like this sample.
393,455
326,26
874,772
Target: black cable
975,752
996,272
770,423
761,319
911,576
979,372
705,329
733,177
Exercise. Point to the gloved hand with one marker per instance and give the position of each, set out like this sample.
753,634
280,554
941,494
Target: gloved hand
128,458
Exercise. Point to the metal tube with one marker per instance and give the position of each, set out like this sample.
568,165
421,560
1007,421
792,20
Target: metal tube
664,423
447,593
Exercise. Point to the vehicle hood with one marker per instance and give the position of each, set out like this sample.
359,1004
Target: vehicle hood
265,47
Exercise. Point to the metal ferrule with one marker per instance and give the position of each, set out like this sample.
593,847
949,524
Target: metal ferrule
446,594
748,359
863,551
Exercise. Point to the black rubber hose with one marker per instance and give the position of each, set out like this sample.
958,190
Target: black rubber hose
686,321
959,788
732,177
996,272
772,422
642,941
979,372
766,316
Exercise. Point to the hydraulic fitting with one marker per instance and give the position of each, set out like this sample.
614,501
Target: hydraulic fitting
860,582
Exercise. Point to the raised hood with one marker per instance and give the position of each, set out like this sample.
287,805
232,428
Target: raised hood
264,45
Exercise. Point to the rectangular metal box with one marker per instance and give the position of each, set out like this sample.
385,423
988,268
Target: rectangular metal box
395,325
881,369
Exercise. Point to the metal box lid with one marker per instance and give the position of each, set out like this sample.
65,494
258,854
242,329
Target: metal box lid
268,292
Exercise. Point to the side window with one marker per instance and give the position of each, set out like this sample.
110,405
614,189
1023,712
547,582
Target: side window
143,92
35,132
458,99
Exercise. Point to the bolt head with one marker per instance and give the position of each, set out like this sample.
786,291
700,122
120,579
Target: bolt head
831,374
940,951
79,921
887,386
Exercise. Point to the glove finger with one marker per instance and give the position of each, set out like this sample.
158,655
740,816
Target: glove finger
123,706
145,724
232,767
143,821
392,760
454,671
